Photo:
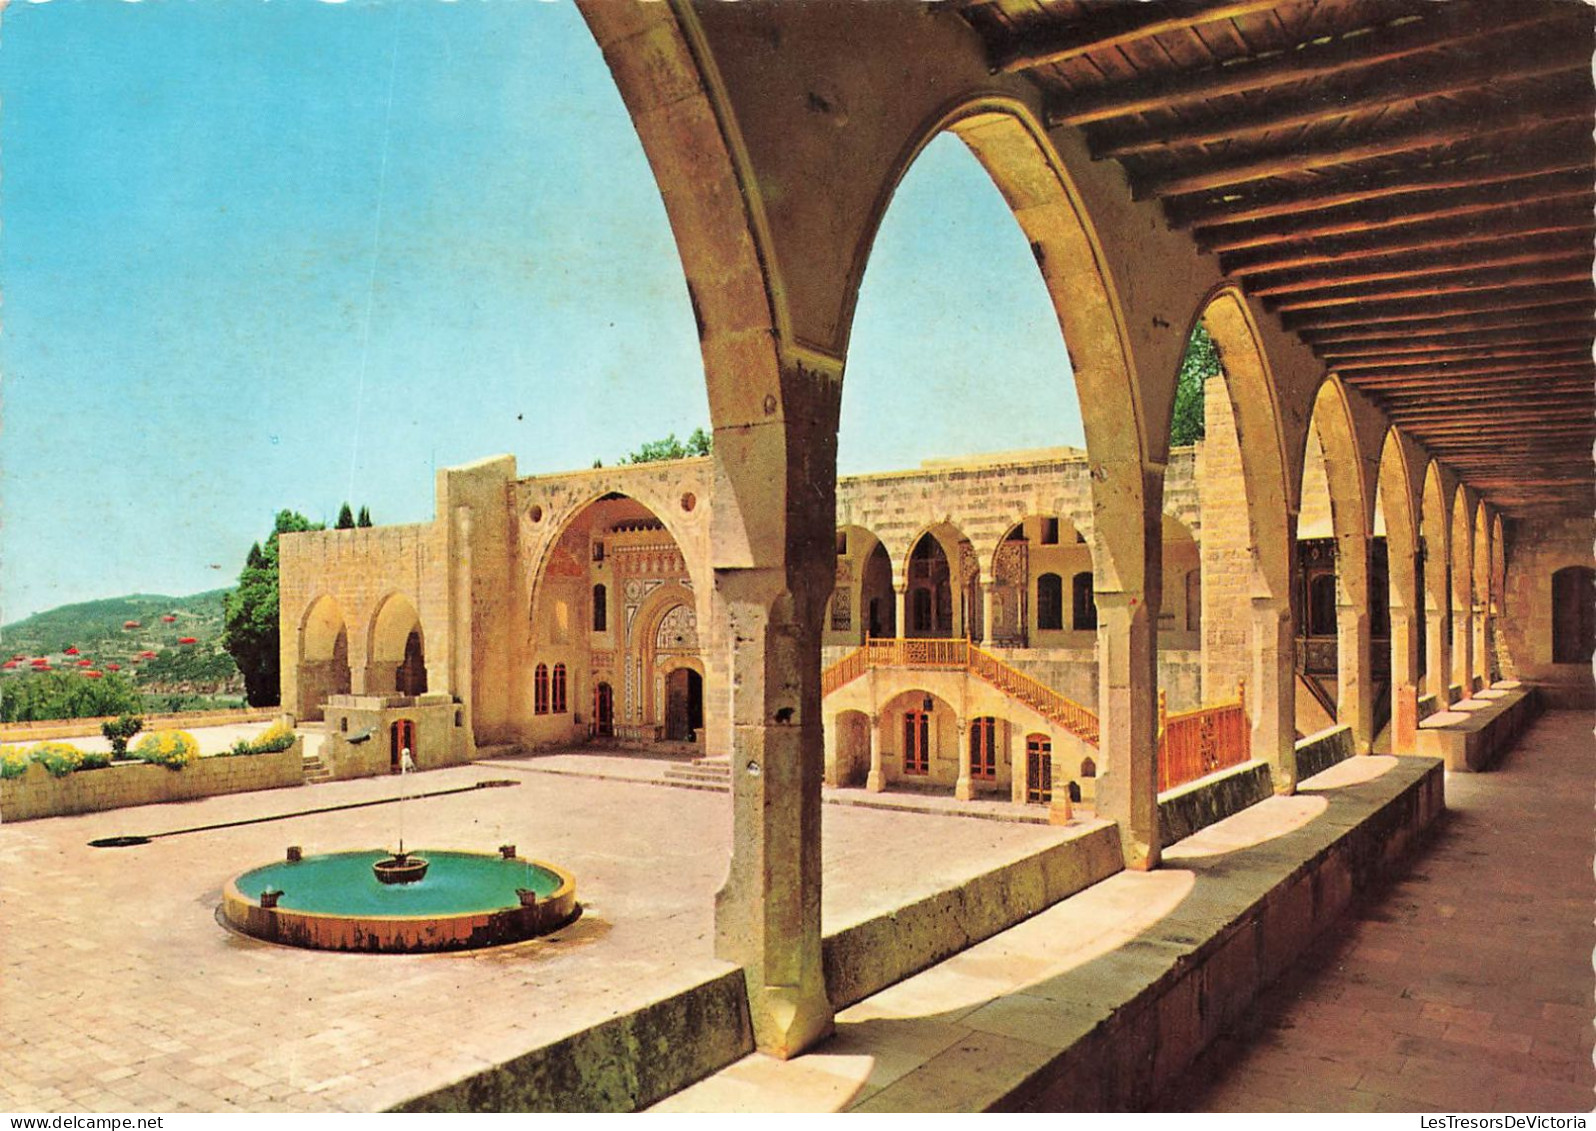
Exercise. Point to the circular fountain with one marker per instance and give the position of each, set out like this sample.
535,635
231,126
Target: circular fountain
444,901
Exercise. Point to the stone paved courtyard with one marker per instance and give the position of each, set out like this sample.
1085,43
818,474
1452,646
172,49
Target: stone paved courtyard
120,992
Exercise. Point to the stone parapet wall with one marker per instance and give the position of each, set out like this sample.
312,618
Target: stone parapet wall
37,794
1198,804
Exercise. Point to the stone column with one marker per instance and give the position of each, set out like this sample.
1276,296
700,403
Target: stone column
1482,637
900,596
987,588
1127,704
1463,645
876,781
964,788
1274,702
1355,686
767,917
1404,681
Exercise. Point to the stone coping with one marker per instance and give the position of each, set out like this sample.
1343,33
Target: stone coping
1103,999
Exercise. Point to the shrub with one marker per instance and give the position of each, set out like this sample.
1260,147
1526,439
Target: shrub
173,749
94,759
60,758
14,761
279,736
119,731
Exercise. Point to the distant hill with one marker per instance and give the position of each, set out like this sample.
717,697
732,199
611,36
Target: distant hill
124,631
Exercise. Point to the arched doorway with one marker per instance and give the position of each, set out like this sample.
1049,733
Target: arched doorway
396,657
684,705
323,657
401,741
603,710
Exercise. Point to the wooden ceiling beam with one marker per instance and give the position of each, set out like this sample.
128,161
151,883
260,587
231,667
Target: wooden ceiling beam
1405,378
1425,184
1287,255
1429,266
1120,25
1455,306
1397,360
1477,345
1316,107
1576,312
1437,29
1330,153
1363,221
1570,269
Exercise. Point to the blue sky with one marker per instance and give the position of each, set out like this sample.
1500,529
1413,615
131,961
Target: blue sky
264,255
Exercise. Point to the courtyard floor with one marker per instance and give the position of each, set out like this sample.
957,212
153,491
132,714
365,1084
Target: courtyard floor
120,992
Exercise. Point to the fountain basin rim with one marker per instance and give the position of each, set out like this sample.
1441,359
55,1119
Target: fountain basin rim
324,930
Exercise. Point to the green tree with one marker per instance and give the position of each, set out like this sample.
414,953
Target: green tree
249,623
1200,363
346,518
365,517
698,444
66,695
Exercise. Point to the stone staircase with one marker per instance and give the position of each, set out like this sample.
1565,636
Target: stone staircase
701,773
316,771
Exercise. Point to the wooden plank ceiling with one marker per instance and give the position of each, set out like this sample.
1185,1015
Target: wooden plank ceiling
1407,184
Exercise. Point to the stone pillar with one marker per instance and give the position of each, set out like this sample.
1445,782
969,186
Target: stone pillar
767,917
964,788
987,588
1127,704
1482,637
1404,681
1274,702
900,596
1355,686
1463,645
876,781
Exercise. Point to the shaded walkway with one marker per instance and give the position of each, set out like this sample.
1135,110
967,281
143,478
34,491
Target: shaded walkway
1465,985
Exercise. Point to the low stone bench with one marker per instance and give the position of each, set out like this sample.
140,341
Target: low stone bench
1472,733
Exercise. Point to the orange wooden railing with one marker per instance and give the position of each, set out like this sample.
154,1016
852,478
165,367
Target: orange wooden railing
961,655
1194,744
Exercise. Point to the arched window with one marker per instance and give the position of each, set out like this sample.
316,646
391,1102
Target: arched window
558,690
1088,768
1085,602
1573,615
920,610
540,690
983,748
1049,601
601,609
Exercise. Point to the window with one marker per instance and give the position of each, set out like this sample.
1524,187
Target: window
1050,532
558,690
1085,602
920,610
540,690
1194,600
1049,601
1322,605
983,748
1573,615
1088,768
916,742
598,551
601,609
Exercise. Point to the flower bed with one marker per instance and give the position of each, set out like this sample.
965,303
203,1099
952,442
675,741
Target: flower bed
63,780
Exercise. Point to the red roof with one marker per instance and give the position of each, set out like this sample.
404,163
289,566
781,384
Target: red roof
113,667
187,640
9,664
85,663
169,618
131,624
69,651
92,675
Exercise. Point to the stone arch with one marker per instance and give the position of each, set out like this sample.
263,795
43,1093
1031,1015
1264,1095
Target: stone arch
862,600
1339,461
941,735
850,732
1484,669
1247,551
1462,537
661,503
323,655
395,659
1395,514
1435,522
945,608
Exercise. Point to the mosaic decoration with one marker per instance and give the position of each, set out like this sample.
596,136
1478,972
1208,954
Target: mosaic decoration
678,630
